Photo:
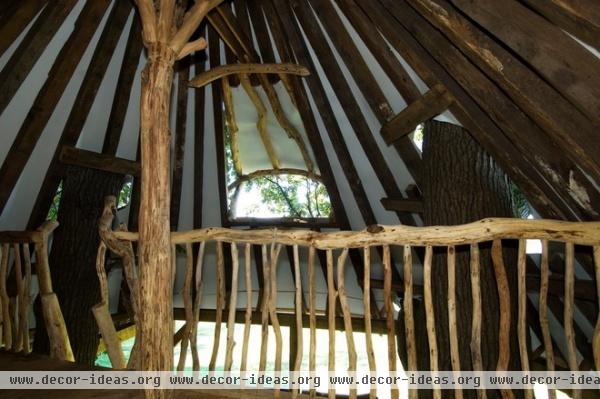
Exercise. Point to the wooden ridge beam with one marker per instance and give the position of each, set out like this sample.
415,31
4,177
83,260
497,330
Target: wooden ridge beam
33,44
578,17
402,205
15,17
363,77
66,63
559,119
432,103
472,116
548,49
93,160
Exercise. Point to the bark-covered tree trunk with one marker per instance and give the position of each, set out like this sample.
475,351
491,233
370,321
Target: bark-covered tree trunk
73,258
462,184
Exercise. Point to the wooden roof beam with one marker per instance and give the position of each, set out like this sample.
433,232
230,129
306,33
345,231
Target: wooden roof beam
14,18
578,17
93,160
432,103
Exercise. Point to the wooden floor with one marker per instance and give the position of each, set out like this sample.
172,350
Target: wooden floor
11,361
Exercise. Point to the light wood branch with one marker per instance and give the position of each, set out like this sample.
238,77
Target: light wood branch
261,123
191,22
166,14
192,47
235,69
274,172
149,22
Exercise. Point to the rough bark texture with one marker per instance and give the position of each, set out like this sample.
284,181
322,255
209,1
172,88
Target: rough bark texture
73,258
461,183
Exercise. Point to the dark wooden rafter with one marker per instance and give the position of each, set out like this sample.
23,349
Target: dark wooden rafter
535,146
15,17
433,103
120,105
234,80
363,77
32,46
538,190
544,46
66,63
581,18
348,102
199,131
93,160
183,76
570,128
262,36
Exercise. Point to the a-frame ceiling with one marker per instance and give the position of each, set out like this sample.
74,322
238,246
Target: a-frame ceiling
518,75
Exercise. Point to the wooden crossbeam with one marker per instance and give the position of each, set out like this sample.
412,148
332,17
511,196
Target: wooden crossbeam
402,205
94,160
432,103
235,69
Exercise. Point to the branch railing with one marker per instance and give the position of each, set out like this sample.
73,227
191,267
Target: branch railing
15,250
336,246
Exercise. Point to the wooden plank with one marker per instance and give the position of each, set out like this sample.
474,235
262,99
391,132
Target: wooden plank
93,160
49,95
432,103
545,47
581,18
15,18
120,105
402,205
559,119
179,147
364,78
538,191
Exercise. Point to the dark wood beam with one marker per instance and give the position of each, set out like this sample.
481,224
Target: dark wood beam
402,205
363,77
573,132
199,131
94,160
539,192
120,105
33,44
544,46
15,18
262,36
58,79
581,18
183,77
432,103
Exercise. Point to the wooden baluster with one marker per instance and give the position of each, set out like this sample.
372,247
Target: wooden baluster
476,317
187,305
341,265
389,312
569,305
452,326
248,316
219,310
298,302
232,307
6,321
504,309
19,315
312,303
264,342
26,298
367,318
543,313
275,251
522,305
409,322
331,318
102,314
430,317
197,305
596,339
12,310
